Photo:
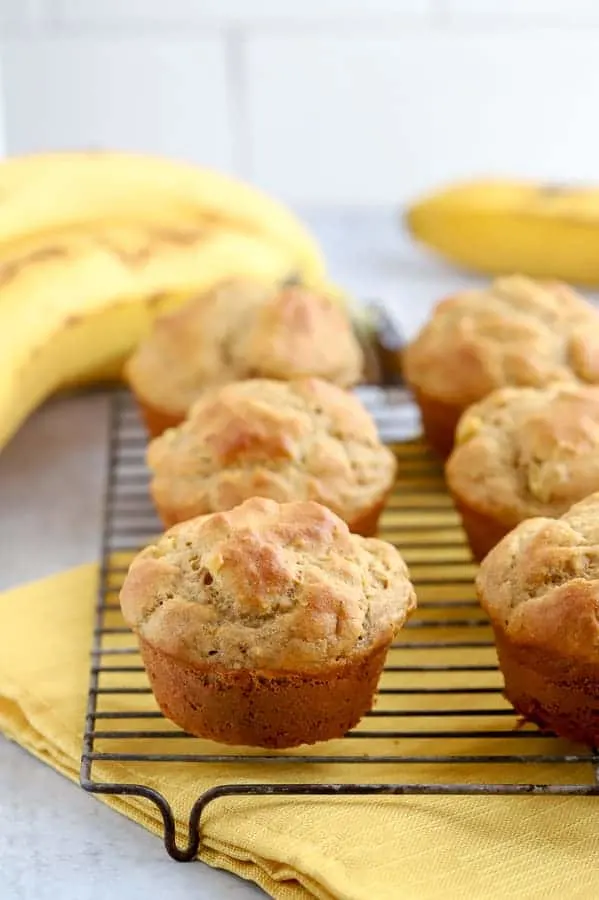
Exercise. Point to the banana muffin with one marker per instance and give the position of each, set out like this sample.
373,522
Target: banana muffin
517,332
267,625
523,452
540,588
297,440
242,329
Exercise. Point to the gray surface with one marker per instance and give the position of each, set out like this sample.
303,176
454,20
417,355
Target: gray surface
51,481
58,842
55,841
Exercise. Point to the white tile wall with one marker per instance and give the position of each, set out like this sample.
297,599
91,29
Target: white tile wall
523,10
321,101
152,94
17,13
378,119
247,12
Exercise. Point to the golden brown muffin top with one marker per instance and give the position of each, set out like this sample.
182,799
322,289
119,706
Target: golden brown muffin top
515,332
298,440
281,587
524,452
244,329
540,585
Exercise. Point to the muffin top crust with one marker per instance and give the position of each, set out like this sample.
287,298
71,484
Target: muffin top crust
515,332
244,329
299,440
525,452
540,586
281,587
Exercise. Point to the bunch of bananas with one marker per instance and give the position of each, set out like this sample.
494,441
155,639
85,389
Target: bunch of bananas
501,227
93,246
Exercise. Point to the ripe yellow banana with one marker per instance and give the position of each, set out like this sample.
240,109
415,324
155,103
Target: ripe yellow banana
78,301
47,192
499,227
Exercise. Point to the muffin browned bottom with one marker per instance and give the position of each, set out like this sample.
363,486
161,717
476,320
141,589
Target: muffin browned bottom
263,709
483,531
552,694
365,524
439,421
158,420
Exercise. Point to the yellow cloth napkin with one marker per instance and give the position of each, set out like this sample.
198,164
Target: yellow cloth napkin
368,848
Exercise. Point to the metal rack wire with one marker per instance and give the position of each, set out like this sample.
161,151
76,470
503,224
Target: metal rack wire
440,712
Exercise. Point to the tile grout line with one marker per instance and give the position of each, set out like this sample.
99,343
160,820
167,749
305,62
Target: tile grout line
239,119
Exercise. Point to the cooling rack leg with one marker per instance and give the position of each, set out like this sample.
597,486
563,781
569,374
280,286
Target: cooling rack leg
170,836
180,854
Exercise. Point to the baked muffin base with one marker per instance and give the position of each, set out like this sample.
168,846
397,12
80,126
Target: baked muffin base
158,420
366,524
439,421
552,695
263,709
482,531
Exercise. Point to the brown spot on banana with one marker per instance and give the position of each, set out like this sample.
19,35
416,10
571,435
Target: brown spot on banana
554,190
156,299
11,268
562,190
154,239
294,279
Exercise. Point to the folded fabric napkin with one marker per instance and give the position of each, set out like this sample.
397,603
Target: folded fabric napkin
367,848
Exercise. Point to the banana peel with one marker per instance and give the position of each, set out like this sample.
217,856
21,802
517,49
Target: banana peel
48,192
94,246
74,305
497,227
73,309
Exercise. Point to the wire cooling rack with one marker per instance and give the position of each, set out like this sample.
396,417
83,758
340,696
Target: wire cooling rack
440,724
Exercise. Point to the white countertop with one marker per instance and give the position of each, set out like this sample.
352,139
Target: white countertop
56,841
